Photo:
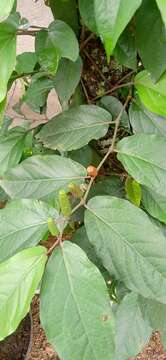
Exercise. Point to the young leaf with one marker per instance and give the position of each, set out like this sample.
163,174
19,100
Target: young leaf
67,78
132,331
74,128
82,324
108,18
7,51
162,6
5,8
143,162
152,95
125,241
23,223
11,148
19,278
39,176
144,121
154,203
133,191
151,42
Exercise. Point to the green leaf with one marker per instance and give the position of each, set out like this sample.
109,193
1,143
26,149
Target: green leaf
19,278
80,238
7,51
144,121
132,331
5,8
162,6
108,18
48,56
74,128
37,92
66,11
39,176
114,106
151,42
11,148
154,314
67,78
125,241
60,39
23,223
26,63
126,51
154,203
133,191
110,185
2,109
81,326
85,156
143,162
152,95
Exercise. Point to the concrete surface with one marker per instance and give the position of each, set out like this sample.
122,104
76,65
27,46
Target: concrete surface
37,14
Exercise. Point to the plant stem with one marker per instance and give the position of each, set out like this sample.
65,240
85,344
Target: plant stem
56,243
116,87
110,150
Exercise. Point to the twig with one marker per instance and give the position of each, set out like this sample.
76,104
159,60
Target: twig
85,92
56,243
95,65
85,42
116,87
27,32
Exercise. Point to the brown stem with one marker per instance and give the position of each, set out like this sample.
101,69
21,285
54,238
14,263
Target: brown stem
56,243
116,87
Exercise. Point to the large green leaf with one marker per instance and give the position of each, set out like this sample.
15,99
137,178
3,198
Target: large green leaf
151,42
81,325
144,121
5,8
74,128
126,51
66,11
19,278
23,223
108,18
39,176
67,78
128,244
162,7
11,148
154,203
85,156
152,95
7,51
143,156
132,331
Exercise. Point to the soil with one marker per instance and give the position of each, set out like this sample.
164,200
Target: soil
39,348
15,346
